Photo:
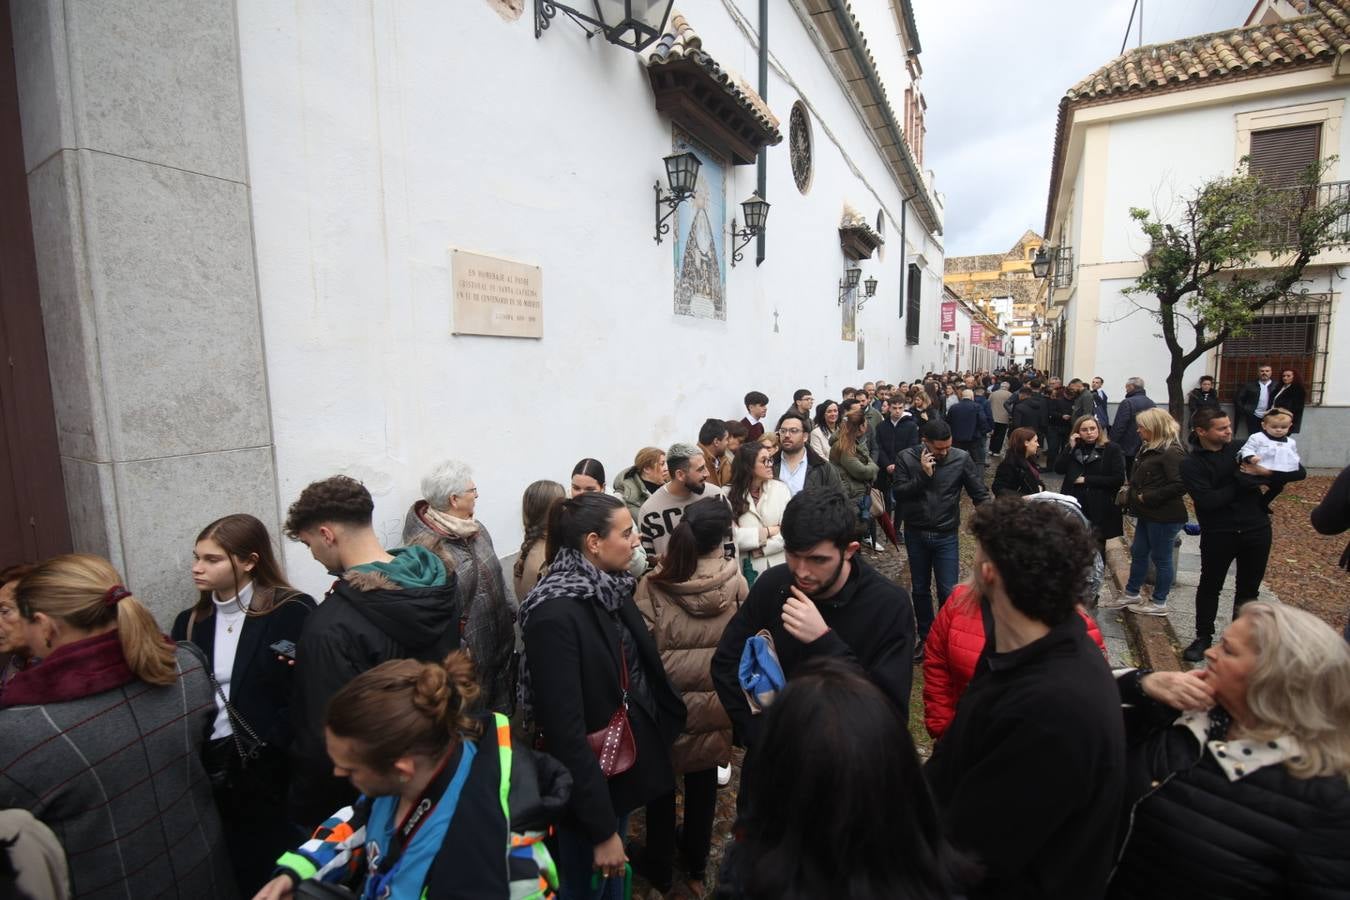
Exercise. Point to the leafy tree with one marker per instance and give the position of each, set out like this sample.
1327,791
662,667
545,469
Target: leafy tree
1240,243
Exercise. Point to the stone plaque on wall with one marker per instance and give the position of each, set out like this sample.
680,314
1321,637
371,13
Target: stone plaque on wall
497,297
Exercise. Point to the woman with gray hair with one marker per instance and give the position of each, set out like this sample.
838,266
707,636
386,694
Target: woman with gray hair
443,522
1241,771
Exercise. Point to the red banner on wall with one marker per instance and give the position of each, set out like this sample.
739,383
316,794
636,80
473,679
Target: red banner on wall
948,316
976,334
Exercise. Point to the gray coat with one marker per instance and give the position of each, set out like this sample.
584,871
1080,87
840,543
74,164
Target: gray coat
118,777
489,616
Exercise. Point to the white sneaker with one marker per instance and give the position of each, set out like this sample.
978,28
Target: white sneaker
1148,608
723,776
1120,601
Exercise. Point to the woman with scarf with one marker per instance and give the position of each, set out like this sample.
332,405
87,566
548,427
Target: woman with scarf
588,658
443,522
102,741
1093,470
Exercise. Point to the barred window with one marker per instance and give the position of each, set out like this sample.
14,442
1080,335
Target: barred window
1290,335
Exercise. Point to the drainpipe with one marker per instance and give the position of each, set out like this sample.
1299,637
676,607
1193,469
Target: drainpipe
761,173
904,254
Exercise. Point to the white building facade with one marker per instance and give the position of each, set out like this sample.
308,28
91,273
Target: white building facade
1147,130
247,216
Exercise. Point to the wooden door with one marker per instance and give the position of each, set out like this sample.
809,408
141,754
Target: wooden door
33,518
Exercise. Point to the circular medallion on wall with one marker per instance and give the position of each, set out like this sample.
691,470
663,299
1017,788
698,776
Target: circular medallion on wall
799,146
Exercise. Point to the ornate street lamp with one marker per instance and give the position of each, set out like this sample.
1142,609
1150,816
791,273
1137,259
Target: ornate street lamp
632,24
682,173
756,210
1040,266
869,290
850,282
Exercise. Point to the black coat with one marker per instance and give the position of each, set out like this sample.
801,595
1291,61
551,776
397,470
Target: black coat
1030,776
1248,397
871,622
260,684
1016,477
964,420
1123,432
1290,397
892,437
1060,412
1204,837
819,472
364,620
1103,473
1225,499
572,647
1031,412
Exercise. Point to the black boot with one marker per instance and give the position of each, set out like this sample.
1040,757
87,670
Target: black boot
1196,651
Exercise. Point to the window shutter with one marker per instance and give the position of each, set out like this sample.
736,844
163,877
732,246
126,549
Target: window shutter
1282,155
914,300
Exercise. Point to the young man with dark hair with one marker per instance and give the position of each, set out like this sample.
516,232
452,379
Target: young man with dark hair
737,434
712,440
796,464
824,601
927,482
802,402
385,604
1030,776
756,408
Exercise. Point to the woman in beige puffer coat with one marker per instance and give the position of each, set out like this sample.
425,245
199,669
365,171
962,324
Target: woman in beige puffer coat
687,603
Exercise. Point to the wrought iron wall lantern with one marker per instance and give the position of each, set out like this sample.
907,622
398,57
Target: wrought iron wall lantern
850,282
1040,266
631,24
756,210
869,291
682,173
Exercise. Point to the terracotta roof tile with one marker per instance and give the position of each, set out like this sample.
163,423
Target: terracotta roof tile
1314,38
681,41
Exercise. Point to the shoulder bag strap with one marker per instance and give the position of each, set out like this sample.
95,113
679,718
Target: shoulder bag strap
237,721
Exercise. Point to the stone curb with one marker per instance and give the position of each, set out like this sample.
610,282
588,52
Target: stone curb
1151,635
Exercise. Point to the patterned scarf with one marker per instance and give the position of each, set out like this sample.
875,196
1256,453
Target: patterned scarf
570,575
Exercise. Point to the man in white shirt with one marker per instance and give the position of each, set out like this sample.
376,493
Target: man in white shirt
1253,399
796,464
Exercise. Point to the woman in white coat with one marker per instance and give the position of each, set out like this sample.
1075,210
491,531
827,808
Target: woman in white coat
757,502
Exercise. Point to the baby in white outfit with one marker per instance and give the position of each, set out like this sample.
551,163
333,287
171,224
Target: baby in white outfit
1273,449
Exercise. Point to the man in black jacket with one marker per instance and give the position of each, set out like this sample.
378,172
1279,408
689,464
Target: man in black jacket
927,481
1253,399
796,464
825,601
1030,775
898,432
1123,432
384,605
1234,524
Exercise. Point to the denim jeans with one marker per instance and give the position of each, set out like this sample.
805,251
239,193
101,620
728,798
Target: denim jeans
930,553
576,863
1153,541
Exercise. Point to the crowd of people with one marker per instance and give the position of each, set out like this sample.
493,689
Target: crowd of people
433,729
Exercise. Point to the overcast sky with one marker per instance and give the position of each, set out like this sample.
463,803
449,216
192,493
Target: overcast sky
994,72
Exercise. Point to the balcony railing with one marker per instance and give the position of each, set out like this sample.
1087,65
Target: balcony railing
1282,229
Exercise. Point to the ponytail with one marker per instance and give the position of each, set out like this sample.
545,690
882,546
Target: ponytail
703,529
87,592
571,519
405,708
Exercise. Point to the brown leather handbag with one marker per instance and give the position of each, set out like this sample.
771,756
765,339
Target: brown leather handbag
613,745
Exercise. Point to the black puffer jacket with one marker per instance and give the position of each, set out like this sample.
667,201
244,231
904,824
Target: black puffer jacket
1198,835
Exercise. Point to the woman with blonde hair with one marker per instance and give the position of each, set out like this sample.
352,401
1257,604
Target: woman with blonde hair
1240,783
102,741
1157,498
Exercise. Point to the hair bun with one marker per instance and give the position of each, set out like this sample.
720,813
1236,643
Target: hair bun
431,693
